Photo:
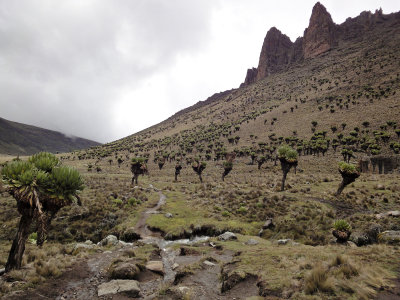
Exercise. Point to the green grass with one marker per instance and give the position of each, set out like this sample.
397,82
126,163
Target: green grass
185,216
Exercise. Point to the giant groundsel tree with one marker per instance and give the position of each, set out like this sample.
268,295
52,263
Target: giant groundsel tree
41,187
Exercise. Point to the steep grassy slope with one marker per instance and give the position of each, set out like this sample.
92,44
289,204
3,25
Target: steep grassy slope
354,83
17,138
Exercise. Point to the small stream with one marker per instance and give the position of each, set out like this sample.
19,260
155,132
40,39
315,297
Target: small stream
151,237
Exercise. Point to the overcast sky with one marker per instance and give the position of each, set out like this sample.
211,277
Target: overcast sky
106,69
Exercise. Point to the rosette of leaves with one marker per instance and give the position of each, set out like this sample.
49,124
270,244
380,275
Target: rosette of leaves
138,167
288,158
341,231
198,167
41,187
349,174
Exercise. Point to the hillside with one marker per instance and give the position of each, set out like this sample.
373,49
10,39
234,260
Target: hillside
352,80
213,215
21,139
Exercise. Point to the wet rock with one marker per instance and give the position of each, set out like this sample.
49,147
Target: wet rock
168,215
391,237
125,271
130,235
110,240
283,241
268,224
129,288
155,266
227,236
251,242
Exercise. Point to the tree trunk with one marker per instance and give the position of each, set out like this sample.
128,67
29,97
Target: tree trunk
18,246
201,179
347,179
176,177
283,180
340,188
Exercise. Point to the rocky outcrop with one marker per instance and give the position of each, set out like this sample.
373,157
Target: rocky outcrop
320,36
251,77
275,53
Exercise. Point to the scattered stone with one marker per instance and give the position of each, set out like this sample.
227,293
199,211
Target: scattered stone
261,232
351,244
175,266
88,242
268,224
380,187
226,236
168,215
109,240
155,266
208,263
252,242
390,237
2,271
283,241
125,271
128,287
212,244
393,213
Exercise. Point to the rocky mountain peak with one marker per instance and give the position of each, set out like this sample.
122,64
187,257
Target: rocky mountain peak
275,53
320,35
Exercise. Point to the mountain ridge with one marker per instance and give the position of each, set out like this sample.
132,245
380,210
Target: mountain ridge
22,139
321,35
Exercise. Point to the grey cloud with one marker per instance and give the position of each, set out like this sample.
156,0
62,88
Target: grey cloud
63,62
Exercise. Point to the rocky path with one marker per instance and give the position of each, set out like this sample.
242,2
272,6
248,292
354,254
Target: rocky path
87,277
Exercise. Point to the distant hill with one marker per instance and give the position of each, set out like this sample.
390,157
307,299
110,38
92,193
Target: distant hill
22,139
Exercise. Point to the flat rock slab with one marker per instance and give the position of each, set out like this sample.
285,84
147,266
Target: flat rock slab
226,236
251,242
155,266
128,287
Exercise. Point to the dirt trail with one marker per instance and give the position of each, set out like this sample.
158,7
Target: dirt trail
82,279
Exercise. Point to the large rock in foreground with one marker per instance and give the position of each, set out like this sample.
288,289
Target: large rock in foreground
129,288
391,237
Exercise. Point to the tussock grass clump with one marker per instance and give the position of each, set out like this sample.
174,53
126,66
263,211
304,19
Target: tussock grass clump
318,281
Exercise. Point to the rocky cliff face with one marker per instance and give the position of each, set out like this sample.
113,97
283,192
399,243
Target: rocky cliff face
251,76
275,53
321,35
